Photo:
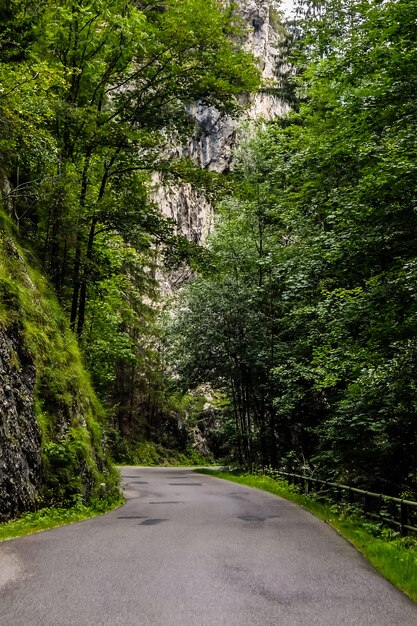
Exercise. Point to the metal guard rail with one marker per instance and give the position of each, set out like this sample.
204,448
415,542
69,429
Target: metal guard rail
399,512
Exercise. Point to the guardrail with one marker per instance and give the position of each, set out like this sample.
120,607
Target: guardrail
397,512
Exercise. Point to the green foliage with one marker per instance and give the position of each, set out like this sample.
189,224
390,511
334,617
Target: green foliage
70,417
92,95
151,454
309,320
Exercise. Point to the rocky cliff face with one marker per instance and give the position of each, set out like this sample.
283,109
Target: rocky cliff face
20,439
51,439
215,137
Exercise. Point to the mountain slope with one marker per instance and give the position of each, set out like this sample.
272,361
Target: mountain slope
51,424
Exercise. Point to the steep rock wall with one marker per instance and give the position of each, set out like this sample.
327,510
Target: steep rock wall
51,437
211,146
20,437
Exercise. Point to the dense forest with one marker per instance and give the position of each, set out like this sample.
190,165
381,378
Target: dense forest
94,95
307,317
298,327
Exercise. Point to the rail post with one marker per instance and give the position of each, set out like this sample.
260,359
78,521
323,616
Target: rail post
403,518
380,504
400,513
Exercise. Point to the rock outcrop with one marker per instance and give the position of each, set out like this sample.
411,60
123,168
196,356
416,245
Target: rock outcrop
20,438
51,438
212,145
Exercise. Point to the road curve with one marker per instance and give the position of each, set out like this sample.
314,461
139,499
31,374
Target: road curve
191,550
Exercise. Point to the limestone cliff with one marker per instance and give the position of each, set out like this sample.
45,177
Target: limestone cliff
215,136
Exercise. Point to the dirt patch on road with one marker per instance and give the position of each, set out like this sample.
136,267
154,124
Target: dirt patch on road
11,567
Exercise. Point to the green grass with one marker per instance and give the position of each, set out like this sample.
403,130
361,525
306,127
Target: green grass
52,517
394,557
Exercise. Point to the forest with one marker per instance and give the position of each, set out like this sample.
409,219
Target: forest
307,317
299,322
94,95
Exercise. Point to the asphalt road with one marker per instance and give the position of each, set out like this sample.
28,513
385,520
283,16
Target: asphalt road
191,550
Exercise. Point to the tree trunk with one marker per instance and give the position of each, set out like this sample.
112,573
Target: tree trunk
85,278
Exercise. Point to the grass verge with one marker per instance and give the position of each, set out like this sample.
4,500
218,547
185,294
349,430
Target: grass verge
52,517
394,557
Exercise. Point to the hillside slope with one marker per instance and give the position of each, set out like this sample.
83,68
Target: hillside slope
51,424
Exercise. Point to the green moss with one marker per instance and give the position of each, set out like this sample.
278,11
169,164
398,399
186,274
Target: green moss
70,417
393,557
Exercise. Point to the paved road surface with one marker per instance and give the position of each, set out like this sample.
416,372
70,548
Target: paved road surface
190,550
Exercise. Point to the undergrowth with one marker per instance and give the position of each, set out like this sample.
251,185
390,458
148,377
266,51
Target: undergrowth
70,418
52,517
152,454
393,556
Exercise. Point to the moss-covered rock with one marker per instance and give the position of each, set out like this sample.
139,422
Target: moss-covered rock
52,445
